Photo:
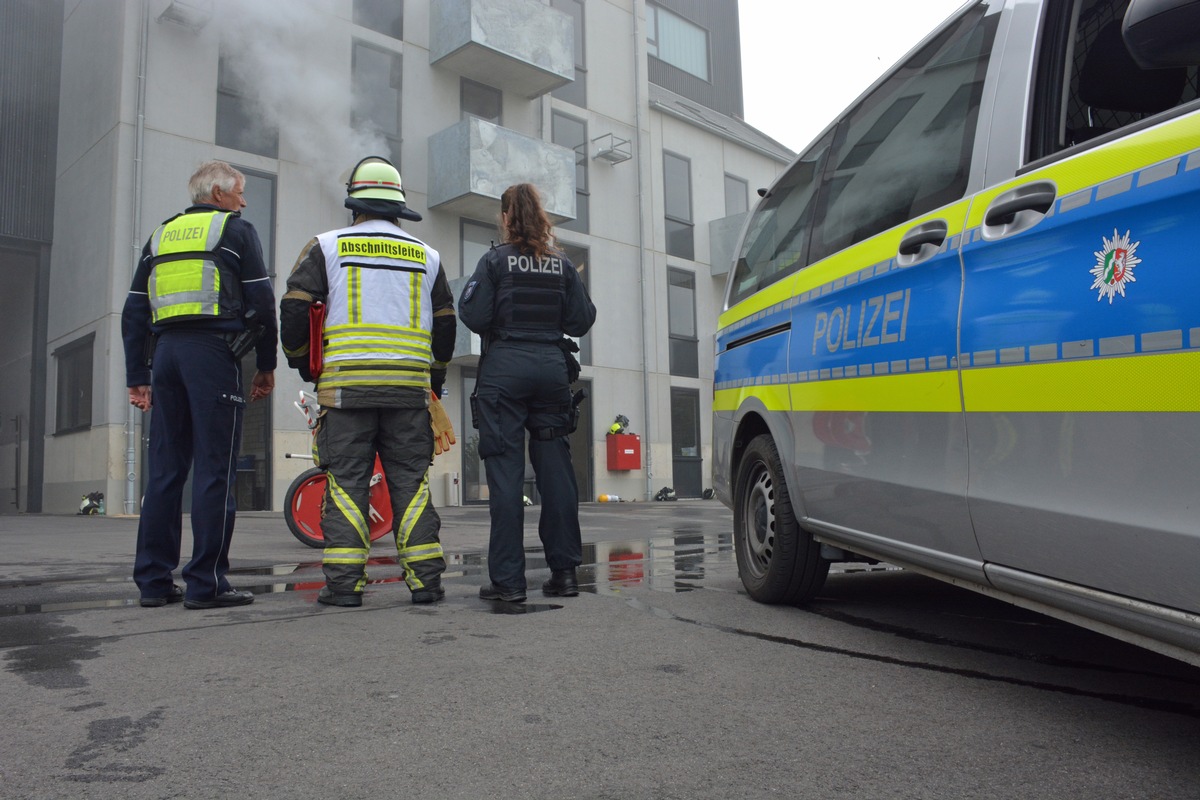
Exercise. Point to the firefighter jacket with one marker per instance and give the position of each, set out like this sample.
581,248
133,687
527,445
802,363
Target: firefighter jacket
389,316
200,270
519,297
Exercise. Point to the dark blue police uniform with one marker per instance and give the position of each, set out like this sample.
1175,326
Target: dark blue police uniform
198,402
522,306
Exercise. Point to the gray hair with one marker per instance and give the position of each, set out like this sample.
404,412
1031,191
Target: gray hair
210,175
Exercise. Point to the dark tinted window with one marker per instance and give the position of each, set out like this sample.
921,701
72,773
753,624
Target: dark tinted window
376,81
478,100
906,148
570,132
677,191
74,406
776,241
241,125
384,16
574,92
681,323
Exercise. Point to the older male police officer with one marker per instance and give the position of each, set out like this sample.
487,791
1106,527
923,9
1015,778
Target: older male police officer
200,280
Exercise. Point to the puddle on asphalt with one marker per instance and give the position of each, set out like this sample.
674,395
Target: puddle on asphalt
674,562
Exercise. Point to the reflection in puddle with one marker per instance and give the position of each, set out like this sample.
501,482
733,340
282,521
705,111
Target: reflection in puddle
501,607
677,562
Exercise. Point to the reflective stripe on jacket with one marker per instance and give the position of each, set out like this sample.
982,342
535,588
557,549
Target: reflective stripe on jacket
379,311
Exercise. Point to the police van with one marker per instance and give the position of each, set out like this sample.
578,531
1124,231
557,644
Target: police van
962,332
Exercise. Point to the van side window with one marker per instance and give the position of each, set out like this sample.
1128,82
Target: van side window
906,148
776,242
1088,84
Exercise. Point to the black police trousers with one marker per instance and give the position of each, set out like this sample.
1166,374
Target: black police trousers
195,418
522,386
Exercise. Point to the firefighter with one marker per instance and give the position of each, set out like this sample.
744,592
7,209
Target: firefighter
388,335
523,297
200,299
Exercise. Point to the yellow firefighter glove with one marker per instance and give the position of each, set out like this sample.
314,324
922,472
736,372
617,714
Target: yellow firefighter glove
443,431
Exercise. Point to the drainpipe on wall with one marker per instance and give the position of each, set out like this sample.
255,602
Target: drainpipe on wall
133,415
639,7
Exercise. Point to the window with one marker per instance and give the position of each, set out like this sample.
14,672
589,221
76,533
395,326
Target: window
478,100
477,239
376,78
1088,83
776,241
580,258
254,457
240,124
737,194
574,92
681,323
74,406
676,41
906,149
677,189
383,16
260,212
571,132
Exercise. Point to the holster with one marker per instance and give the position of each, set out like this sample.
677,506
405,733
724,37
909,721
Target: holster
569,349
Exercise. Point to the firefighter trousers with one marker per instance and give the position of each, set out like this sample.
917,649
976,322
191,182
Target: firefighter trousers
345,446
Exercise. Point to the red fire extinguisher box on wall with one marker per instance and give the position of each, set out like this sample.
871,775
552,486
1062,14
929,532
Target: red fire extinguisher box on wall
624,451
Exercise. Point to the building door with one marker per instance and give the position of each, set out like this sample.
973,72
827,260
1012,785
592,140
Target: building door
686,462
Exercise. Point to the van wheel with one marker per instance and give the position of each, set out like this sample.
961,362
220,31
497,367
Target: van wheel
778,561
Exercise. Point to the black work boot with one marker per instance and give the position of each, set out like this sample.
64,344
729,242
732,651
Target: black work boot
327,597
562,583
494,592
428,594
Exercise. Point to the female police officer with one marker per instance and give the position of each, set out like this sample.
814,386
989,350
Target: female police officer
524,295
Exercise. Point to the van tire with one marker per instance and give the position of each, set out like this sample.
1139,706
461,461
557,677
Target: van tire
778,561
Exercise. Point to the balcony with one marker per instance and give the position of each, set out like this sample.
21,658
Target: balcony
521,46
722,239
473,162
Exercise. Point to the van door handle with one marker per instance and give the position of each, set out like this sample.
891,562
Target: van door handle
1018,209
922,242
1002,212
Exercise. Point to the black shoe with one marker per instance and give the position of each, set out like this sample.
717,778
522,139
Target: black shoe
175,595
328,597
562,583
430,594
223,600
494,592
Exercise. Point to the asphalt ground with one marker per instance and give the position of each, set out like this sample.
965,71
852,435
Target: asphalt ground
661,680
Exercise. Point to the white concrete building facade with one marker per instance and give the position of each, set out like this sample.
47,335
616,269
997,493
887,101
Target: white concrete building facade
625,114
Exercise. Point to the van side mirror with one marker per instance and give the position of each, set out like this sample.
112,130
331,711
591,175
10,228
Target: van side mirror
1163,33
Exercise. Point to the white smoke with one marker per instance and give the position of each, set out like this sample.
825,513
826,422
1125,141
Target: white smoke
286,59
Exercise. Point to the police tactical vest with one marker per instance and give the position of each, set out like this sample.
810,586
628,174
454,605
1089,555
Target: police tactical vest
379,311
189,281
529,293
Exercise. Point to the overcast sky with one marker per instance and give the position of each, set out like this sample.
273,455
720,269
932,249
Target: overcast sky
804,61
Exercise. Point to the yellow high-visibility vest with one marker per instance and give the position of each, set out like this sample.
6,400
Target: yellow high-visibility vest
185,280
